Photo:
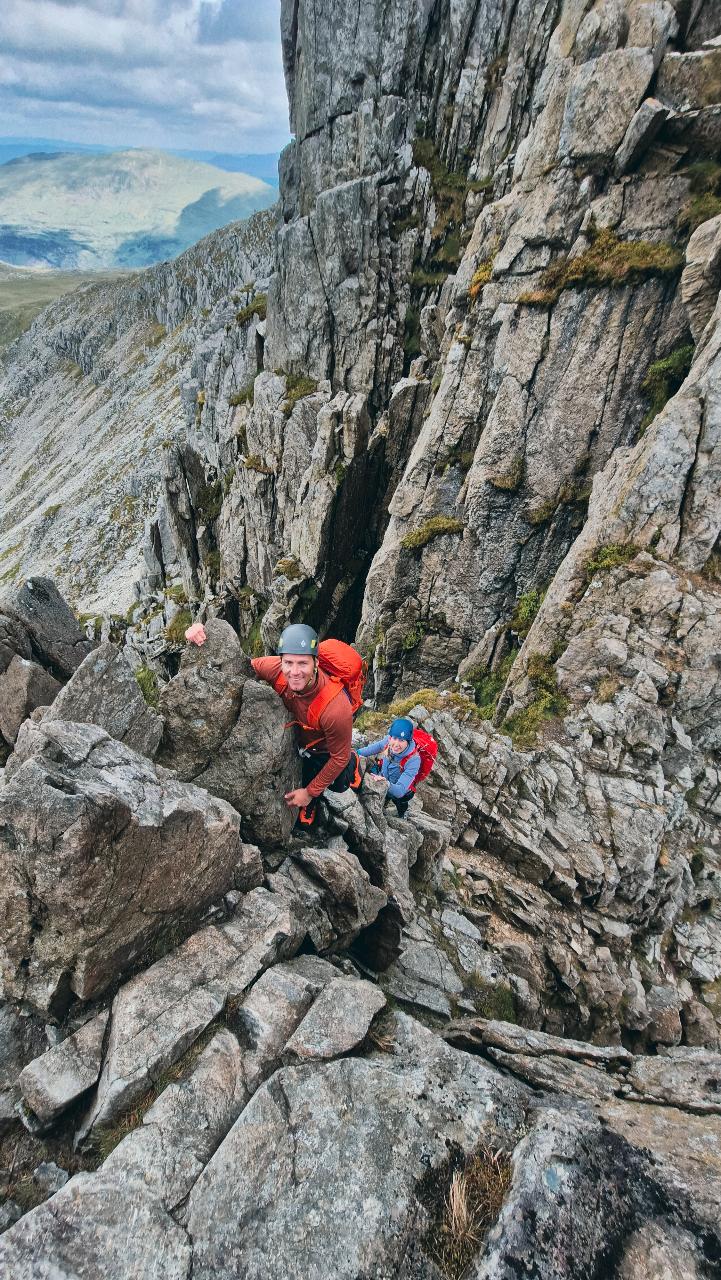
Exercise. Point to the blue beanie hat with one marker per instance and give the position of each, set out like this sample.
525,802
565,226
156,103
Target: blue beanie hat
402,728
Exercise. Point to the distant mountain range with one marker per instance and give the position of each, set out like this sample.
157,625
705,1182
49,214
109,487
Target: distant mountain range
263,165
92,210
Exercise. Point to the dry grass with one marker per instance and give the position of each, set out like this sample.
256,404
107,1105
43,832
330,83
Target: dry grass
608,262
476,1188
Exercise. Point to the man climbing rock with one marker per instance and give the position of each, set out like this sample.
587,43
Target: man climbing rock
321,696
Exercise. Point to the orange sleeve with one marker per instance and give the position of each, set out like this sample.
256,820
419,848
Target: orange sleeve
267,669
336,725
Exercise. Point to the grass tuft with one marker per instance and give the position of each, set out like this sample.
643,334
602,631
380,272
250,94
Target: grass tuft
610,557
175,631
436,527
297,387
608,262
548,704
149,687
663,380
465,1196
258,307
524,614
481,277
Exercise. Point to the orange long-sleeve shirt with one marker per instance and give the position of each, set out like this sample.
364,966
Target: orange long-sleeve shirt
335,726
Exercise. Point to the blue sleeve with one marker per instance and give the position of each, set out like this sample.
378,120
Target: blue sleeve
373,748
400,788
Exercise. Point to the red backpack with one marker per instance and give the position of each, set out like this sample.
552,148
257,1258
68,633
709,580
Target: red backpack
347,670
427,748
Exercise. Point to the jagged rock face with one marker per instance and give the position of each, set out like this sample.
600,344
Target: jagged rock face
104,691
101,384
589,873
110,851
536,390
41,645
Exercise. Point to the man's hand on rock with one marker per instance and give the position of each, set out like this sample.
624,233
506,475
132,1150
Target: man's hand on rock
196,634
299,798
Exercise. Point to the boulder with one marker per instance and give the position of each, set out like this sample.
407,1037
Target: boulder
104,691
56,639
24,685
341,1146
640,134
329,889
76,1235
182,1129
51,1083
112,852
690,80
337,1022
227,732
601,103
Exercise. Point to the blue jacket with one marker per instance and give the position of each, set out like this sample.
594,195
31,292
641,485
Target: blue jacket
399,779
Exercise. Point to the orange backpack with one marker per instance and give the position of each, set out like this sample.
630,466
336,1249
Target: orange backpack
347,671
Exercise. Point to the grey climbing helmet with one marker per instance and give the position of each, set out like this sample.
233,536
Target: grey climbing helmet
298,639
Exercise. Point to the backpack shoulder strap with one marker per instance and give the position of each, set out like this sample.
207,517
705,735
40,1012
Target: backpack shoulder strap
330,690
413,752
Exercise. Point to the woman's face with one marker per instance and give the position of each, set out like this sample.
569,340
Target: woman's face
397,745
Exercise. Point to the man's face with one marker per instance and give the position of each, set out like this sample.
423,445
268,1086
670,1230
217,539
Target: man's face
298,670
397,745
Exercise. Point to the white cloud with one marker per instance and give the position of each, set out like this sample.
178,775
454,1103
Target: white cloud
204,74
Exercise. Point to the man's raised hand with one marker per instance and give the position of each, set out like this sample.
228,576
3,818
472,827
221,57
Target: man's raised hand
196,634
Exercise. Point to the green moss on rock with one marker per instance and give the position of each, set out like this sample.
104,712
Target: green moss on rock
436,527
609,261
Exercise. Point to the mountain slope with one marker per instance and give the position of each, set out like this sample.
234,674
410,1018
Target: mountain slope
91,393
122,209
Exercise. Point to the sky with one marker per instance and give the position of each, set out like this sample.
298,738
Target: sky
201,74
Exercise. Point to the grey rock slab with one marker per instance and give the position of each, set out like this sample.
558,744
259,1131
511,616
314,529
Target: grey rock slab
601,102
686,1078
104,691
685,1146
337,1022
157,1015
423,975
52,1082
113,848
271,1012
97,1227
183,1128
468,1032
559,1075
53,630
582,1191
641,132
340,1143
24,685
